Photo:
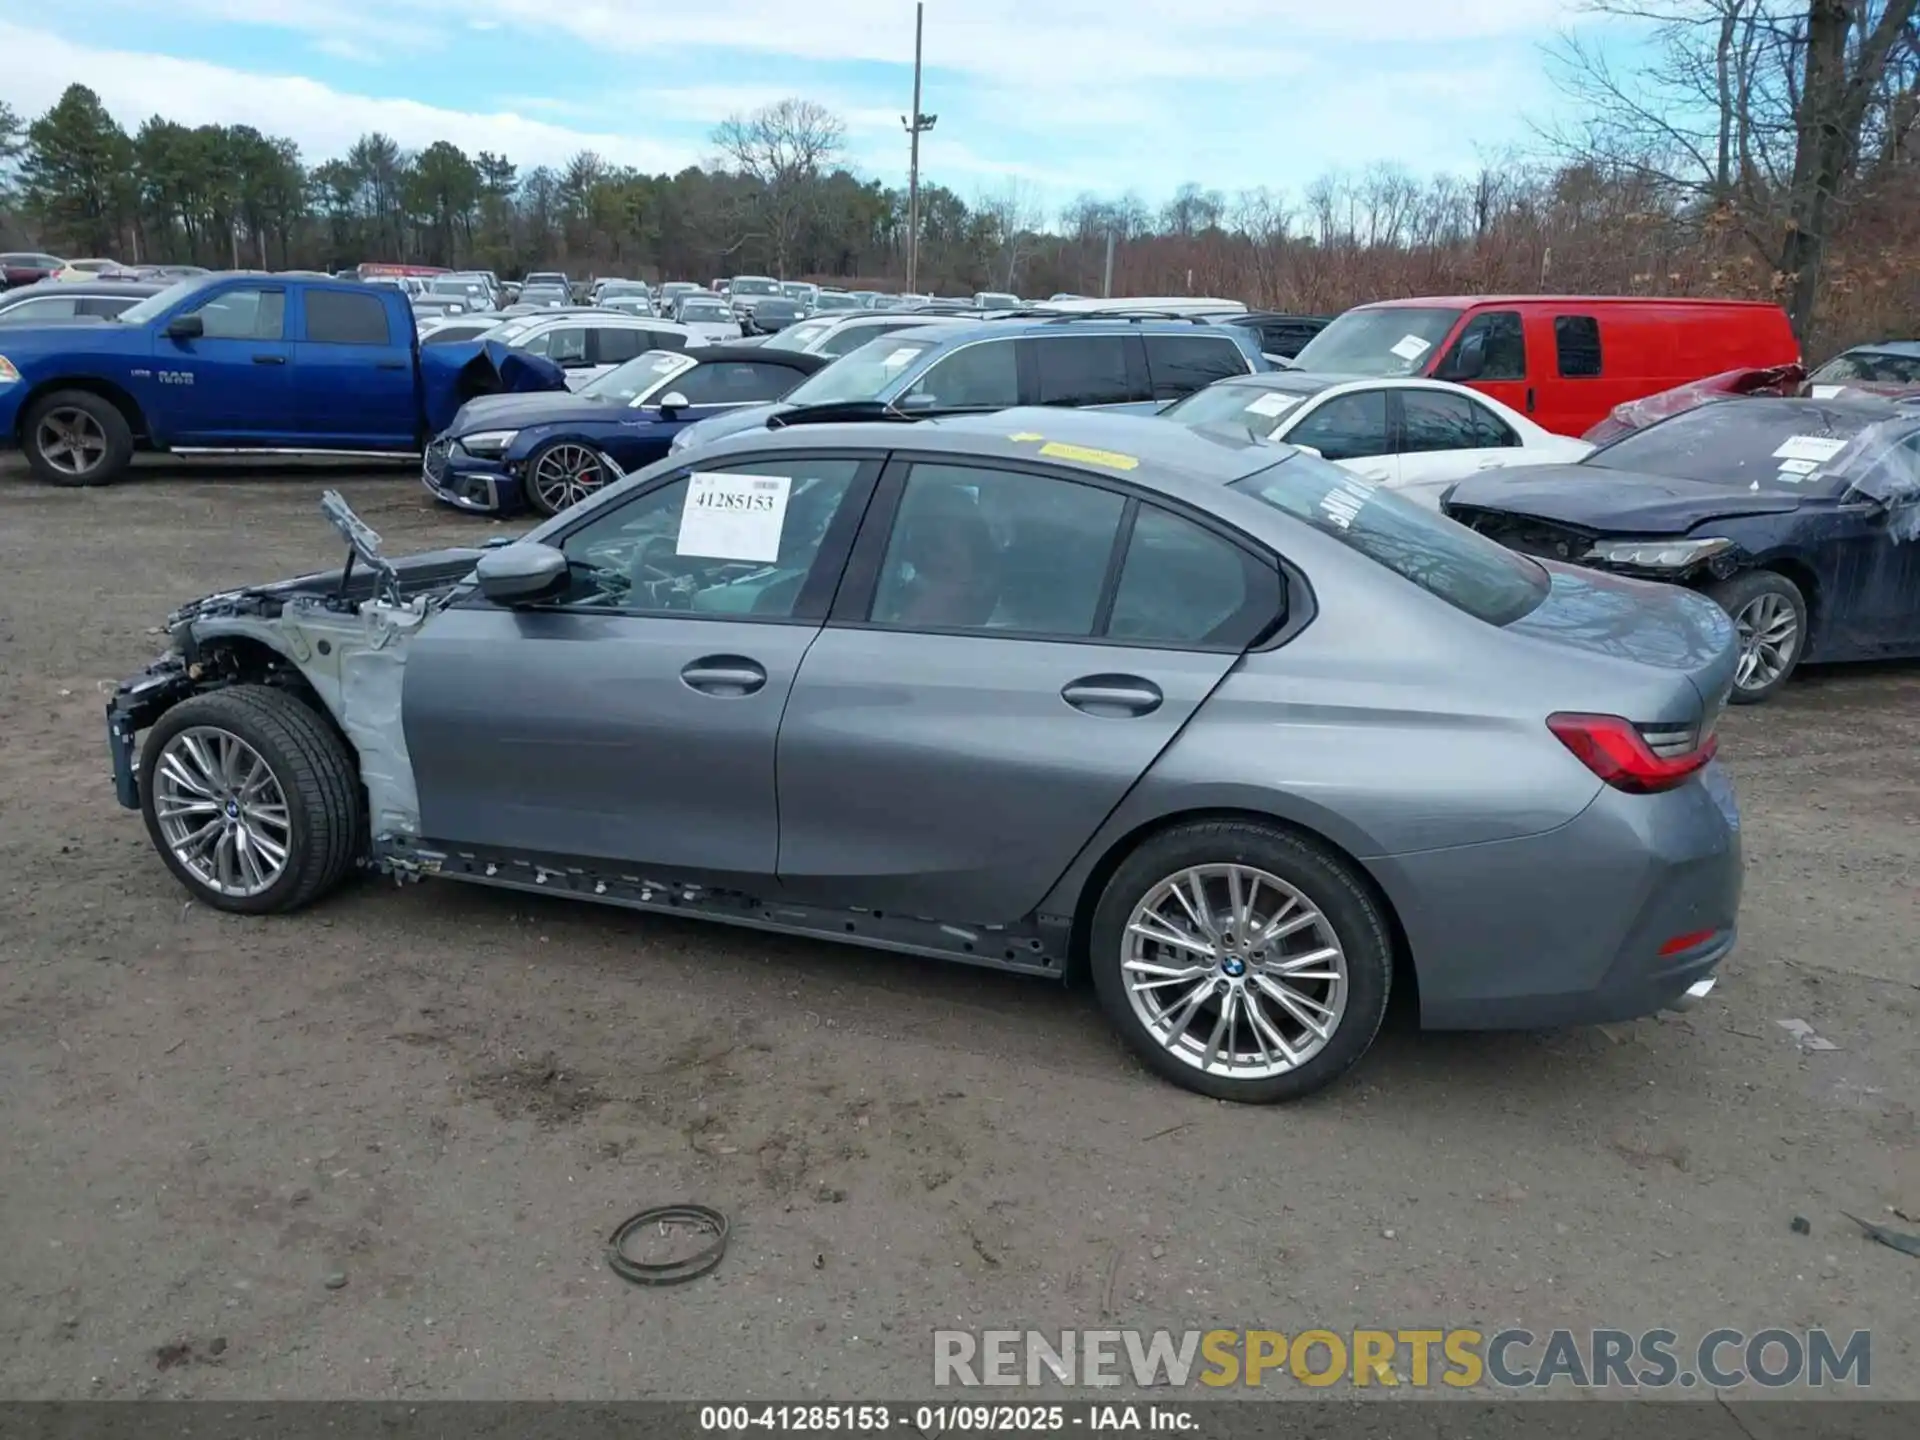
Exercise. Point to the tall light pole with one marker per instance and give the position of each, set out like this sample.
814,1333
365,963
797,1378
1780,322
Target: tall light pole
916,127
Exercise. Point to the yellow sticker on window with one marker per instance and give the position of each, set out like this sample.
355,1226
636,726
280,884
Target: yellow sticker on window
1027,435
1112,459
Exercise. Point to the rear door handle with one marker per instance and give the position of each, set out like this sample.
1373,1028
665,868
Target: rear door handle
269,359
1529,399
1113,696
724,675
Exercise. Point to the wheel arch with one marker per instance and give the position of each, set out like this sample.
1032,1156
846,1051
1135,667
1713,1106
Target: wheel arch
1110,860
107,390
1807,581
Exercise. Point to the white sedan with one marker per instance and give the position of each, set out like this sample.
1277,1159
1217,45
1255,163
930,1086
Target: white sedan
1415,436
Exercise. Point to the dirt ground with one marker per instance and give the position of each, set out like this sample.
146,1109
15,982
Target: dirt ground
375,1150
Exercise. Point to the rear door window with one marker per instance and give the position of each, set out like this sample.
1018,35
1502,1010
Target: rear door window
1084,370
617,346
337,318
1181,584
1348,427
1182,364
42,307
1433,420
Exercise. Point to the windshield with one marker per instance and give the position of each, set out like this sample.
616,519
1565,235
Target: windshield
755,287
799,337
1449,561
639,377
864,374
1257,410
159,304
796,291
836,302
1393,340
998,302
1870,367
1783,446
705,310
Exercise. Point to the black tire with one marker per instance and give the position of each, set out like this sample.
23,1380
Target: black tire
103,414
314,770
538,503
1328,884
1742,591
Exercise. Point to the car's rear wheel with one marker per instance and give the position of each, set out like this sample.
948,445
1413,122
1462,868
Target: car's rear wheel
74,438
251,798
1770,622
563,474
1241,960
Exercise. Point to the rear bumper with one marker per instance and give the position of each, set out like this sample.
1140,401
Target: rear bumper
1620,913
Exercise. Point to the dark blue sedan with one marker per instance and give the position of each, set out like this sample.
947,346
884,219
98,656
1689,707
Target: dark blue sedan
1800,517
546,452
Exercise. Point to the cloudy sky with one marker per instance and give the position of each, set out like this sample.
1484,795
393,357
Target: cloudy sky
1067,95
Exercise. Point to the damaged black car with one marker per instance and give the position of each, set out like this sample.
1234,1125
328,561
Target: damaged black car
1801,517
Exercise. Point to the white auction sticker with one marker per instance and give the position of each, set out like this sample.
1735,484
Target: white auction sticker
1272,403
1794,469
1817,448
1411,347
1827,392
733,517
899,358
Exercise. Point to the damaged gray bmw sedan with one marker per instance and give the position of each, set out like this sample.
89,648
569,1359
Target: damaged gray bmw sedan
1244,739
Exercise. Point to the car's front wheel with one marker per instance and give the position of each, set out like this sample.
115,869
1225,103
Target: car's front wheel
75,438
563,474
1770,623
251,798
1241,960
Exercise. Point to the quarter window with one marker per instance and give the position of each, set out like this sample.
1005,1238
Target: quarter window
245,315
337,318
997,551
1084,370
1576,343
1350,427
644,558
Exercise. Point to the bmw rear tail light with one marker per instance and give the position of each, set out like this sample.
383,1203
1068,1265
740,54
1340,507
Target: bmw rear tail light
1639,759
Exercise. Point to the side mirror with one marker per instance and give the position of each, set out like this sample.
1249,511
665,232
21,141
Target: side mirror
671,401
520,573
186,327
1468,360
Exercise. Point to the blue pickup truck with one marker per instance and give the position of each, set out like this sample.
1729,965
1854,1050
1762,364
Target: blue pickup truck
236,363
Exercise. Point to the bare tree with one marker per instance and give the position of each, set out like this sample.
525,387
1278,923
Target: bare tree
1767,117
785,149
1015,215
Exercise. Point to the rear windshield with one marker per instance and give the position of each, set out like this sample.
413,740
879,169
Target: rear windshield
1869,367
1257,410
1782,446
1395,340
747,286
1467,570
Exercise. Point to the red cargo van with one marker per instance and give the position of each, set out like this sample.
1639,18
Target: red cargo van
1564,360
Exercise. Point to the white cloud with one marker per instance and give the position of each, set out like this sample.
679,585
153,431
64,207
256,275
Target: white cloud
35,66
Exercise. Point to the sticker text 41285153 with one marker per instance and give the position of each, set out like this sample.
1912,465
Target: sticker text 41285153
733,517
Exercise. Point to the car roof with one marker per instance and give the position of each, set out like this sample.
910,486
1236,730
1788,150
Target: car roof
760,355
1906,349
85,289
1160,454
1461,302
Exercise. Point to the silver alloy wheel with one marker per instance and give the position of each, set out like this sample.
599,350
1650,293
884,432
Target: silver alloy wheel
566,475
223,814
1769,634
71,440
1234,971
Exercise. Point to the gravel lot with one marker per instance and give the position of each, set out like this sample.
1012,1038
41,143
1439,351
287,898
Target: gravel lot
448,1097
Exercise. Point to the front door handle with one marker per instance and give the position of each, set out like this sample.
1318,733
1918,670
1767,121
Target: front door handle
724,675
1113,696
269,359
